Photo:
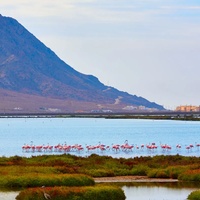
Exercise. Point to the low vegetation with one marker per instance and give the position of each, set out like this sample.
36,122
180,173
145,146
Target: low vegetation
64,171
35,180
73,193
57,169
195,195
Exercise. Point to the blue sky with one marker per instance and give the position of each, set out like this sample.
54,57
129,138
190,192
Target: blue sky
149,48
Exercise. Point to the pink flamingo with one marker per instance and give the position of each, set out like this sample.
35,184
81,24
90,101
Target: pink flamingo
116,147
198,145
80,148
168,147
33,148
38,148
151,147
90,148
45,148
26,148
191,145
126,146
56,147
137,147
164,147
66,148
188,148
50,148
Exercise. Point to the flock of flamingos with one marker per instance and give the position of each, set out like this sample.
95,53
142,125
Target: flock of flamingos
100,148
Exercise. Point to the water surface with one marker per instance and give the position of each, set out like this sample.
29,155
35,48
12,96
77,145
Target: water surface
143,191
14,133
156,193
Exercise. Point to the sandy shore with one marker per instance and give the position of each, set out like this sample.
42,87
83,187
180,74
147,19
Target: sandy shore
132,179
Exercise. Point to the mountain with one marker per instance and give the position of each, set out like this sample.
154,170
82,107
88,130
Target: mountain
30,71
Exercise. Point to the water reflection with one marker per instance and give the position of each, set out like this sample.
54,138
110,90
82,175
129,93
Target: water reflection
8,195
158,191
140,191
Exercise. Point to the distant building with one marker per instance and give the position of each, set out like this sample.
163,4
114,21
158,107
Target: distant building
130,108
187,108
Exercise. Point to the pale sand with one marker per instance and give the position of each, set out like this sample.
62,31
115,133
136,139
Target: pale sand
121,179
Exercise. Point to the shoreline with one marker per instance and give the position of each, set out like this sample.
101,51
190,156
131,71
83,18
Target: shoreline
123,179
155,115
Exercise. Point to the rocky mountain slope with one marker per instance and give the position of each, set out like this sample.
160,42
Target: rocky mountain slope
31,70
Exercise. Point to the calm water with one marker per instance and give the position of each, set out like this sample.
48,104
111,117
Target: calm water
142,192
8,195
156,193
14,133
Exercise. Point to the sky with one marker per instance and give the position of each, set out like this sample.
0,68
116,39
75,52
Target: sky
148,48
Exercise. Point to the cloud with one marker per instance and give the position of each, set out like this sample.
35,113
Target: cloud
95,11
36,8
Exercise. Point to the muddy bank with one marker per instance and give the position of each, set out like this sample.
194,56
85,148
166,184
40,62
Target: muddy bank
132,179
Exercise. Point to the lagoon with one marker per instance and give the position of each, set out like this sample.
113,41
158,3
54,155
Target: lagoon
16,132
8,195
156,193
143,191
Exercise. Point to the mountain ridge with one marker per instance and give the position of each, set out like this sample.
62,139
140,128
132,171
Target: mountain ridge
28,67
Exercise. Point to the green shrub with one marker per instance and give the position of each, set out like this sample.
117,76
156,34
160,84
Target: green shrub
152,173
191,175
122,172
158,173
99,172
175,171
74,193
162,174
21,170
48,180
140,170
195,195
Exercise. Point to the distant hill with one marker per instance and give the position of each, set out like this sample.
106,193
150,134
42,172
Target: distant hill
33,77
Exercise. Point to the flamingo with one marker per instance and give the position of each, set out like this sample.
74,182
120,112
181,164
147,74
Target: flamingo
188,148
116,147
164,147
126,146
45,148
76,147
58,148
197,145
80,148
191,145
26,147
38,148
168,147
33,148
151,147
102,148
90,148
136,146
129,147
50,148
66,148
